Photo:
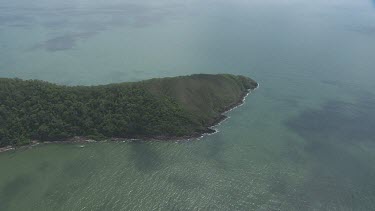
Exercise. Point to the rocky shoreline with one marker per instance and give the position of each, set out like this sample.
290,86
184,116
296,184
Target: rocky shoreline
208,131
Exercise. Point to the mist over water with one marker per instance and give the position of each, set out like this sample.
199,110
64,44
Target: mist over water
303,141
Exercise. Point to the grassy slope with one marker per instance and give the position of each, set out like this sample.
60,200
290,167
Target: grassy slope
205,96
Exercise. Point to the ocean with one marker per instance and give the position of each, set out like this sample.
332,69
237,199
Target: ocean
304,140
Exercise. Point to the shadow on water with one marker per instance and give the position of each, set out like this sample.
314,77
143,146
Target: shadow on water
144,156
11,190
332,133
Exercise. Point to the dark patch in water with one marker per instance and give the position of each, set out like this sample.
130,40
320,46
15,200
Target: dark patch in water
44,166
13,188
14,20
61,43
363,29
145,158
89,21
119,15
337,174
289,101
117,76
336,120
75,175
341,181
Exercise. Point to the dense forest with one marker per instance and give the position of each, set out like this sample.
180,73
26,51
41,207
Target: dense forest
167,107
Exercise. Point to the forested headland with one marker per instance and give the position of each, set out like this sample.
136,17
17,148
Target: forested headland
156,108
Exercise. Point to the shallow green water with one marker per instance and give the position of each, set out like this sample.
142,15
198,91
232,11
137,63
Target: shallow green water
303,141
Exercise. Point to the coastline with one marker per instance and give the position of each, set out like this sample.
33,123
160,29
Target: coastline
209,130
